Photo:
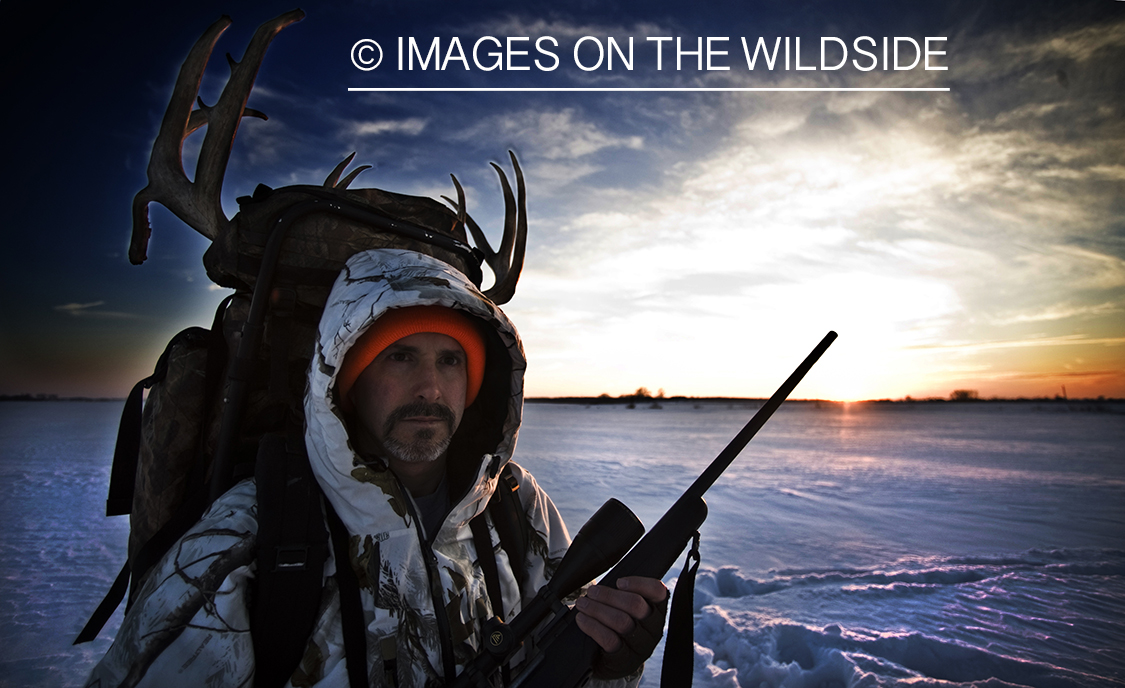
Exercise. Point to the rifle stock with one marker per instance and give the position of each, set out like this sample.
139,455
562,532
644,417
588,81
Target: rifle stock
566,654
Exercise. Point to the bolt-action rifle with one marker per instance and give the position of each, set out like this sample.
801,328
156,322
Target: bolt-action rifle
566,654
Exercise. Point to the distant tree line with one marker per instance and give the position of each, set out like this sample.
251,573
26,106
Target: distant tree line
51,397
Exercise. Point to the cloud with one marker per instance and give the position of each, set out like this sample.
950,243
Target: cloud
88,310
567,31
1079,44
1087,375
412,126
78,308
930,229
1064,340
560,172
555,134
1062,313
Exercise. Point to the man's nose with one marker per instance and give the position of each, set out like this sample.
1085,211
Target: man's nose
427,385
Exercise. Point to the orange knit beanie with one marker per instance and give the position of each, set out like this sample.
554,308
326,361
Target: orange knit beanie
403,322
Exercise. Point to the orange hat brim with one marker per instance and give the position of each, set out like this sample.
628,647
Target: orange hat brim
403,322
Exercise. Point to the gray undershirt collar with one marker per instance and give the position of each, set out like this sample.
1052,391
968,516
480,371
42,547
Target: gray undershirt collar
432,508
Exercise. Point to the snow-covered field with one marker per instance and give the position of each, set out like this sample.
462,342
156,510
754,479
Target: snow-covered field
850,545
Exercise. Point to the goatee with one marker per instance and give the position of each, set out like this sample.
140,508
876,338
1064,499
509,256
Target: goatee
423,446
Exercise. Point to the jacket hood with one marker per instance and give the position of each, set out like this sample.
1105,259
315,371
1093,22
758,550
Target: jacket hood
372,283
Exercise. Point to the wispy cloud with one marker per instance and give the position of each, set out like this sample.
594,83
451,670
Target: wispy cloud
1062,313
554,134
90,310
78,308
412,126
1064,340
568,30
1085,375
1014,51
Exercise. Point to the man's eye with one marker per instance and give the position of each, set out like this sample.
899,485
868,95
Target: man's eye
451,360
399,356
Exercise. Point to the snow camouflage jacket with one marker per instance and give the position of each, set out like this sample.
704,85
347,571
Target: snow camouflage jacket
190,624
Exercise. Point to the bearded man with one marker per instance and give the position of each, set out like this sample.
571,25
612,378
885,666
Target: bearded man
414,401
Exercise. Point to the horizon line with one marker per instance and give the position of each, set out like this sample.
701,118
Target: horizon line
643,89
626,398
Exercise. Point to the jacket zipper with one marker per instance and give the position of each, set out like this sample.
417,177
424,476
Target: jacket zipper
437,597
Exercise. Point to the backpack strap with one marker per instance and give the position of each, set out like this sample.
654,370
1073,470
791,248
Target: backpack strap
123,475
486,555
510,520
351,605
109,604
292,549
127,450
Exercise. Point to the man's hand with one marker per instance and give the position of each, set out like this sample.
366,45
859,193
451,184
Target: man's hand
626,622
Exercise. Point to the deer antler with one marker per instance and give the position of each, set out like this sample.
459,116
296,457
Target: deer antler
332,181
507,263
198,203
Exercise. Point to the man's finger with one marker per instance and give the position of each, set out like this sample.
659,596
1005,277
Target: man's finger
605,614
611,616
604,637
652,589
631,603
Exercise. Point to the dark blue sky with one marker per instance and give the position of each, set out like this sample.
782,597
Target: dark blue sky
970,238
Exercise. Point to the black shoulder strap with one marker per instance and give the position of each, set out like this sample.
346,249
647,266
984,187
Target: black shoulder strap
510,521
351,605
676,669
123,475
127,451
292,549
486,555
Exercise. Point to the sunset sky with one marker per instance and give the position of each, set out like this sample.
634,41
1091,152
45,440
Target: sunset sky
701,242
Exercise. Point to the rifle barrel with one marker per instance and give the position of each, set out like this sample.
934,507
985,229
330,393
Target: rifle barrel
567,653
732,450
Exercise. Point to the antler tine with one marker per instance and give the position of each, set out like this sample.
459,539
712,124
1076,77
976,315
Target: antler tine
507,263
227,113
198,203
461,209
332,180
199,117
479,240
165,168
505,252
514,243
351,176
334,175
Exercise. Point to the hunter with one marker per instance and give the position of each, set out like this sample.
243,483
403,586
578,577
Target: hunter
413,404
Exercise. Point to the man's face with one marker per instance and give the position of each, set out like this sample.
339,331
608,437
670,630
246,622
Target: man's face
411,397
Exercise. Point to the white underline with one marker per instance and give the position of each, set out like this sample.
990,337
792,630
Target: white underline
645,90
